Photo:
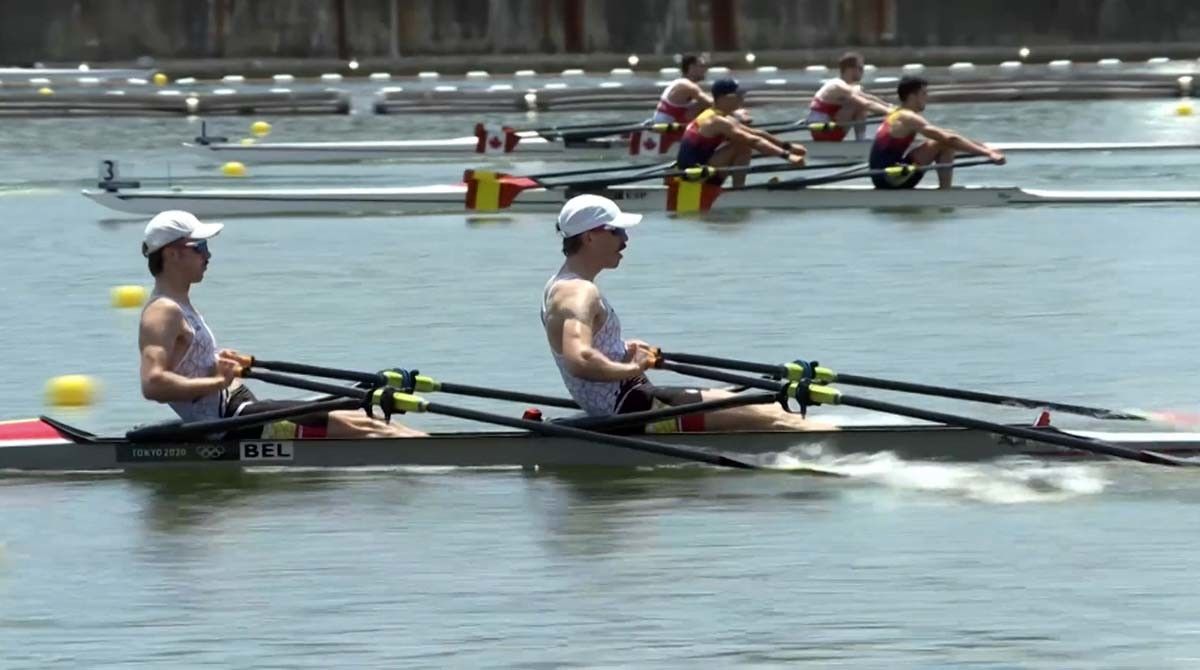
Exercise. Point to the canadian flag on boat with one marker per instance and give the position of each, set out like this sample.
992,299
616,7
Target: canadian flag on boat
495,139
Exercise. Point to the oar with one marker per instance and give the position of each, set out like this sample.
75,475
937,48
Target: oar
890,171
177,430
705,171
806,393
824,395
405,380
805,371
390,401
789,126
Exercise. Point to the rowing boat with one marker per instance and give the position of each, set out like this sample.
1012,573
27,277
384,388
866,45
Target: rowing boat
645,198
48,445
532,146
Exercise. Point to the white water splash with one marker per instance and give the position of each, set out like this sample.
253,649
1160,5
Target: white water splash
1006,482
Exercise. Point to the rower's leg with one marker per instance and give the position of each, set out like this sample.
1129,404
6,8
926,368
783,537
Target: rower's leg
755,417
733,155
354,423
935,152
851,115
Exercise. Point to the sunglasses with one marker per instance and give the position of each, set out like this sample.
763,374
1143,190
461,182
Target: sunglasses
619,232
199,246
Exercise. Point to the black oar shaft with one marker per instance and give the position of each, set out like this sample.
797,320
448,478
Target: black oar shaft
179,430
560,430
306,384
652,415
727,363
500,394
320,371
720,376
983,397
1032,434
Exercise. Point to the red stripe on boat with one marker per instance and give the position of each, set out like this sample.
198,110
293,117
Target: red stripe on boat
29,429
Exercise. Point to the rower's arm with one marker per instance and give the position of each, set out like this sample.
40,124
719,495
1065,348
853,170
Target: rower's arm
161,325
872,103
698,97
760,141
577,305
953,139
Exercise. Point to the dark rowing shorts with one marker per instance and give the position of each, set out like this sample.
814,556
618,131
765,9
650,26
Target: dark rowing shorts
888,183
642,396
242,402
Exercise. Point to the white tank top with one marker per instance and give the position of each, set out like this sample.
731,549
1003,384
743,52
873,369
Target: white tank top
596,398
198,361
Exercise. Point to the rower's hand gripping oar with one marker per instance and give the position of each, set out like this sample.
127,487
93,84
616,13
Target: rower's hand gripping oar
393,401
803,371
807,393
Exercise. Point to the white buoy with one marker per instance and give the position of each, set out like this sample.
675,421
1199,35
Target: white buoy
750,58
353,65
633,60
1024,53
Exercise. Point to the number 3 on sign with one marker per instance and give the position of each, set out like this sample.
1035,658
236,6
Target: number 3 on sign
109,171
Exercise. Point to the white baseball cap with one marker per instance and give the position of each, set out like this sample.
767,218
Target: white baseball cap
174,224
588,212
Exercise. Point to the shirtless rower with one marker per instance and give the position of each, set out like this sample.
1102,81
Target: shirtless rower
180,363
895,136
603,372
683,98
716,138
842,101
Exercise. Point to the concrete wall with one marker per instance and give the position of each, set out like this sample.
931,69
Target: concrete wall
123,30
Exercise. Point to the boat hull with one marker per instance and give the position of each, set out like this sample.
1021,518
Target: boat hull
59,449
532,147
648,198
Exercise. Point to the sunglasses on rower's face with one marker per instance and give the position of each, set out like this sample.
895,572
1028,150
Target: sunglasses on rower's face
619,232
199,246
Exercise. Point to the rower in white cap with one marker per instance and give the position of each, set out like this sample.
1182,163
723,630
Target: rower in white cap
602,371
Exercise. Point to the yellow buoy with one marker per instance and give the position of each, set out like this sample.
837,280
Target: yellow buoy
71,391
1184,108
160,79
260,128
45,90
233,169
127,296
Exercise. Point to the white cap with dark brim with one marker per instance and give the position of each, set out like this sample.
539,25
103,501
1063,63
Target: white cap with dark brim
589,211
172,225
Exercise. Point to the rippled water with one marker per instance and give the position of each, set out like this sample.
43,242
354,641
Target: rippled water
905,564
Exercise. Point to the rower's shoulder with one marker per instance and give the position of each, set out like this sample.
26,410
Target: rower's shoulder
572,289
161,308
